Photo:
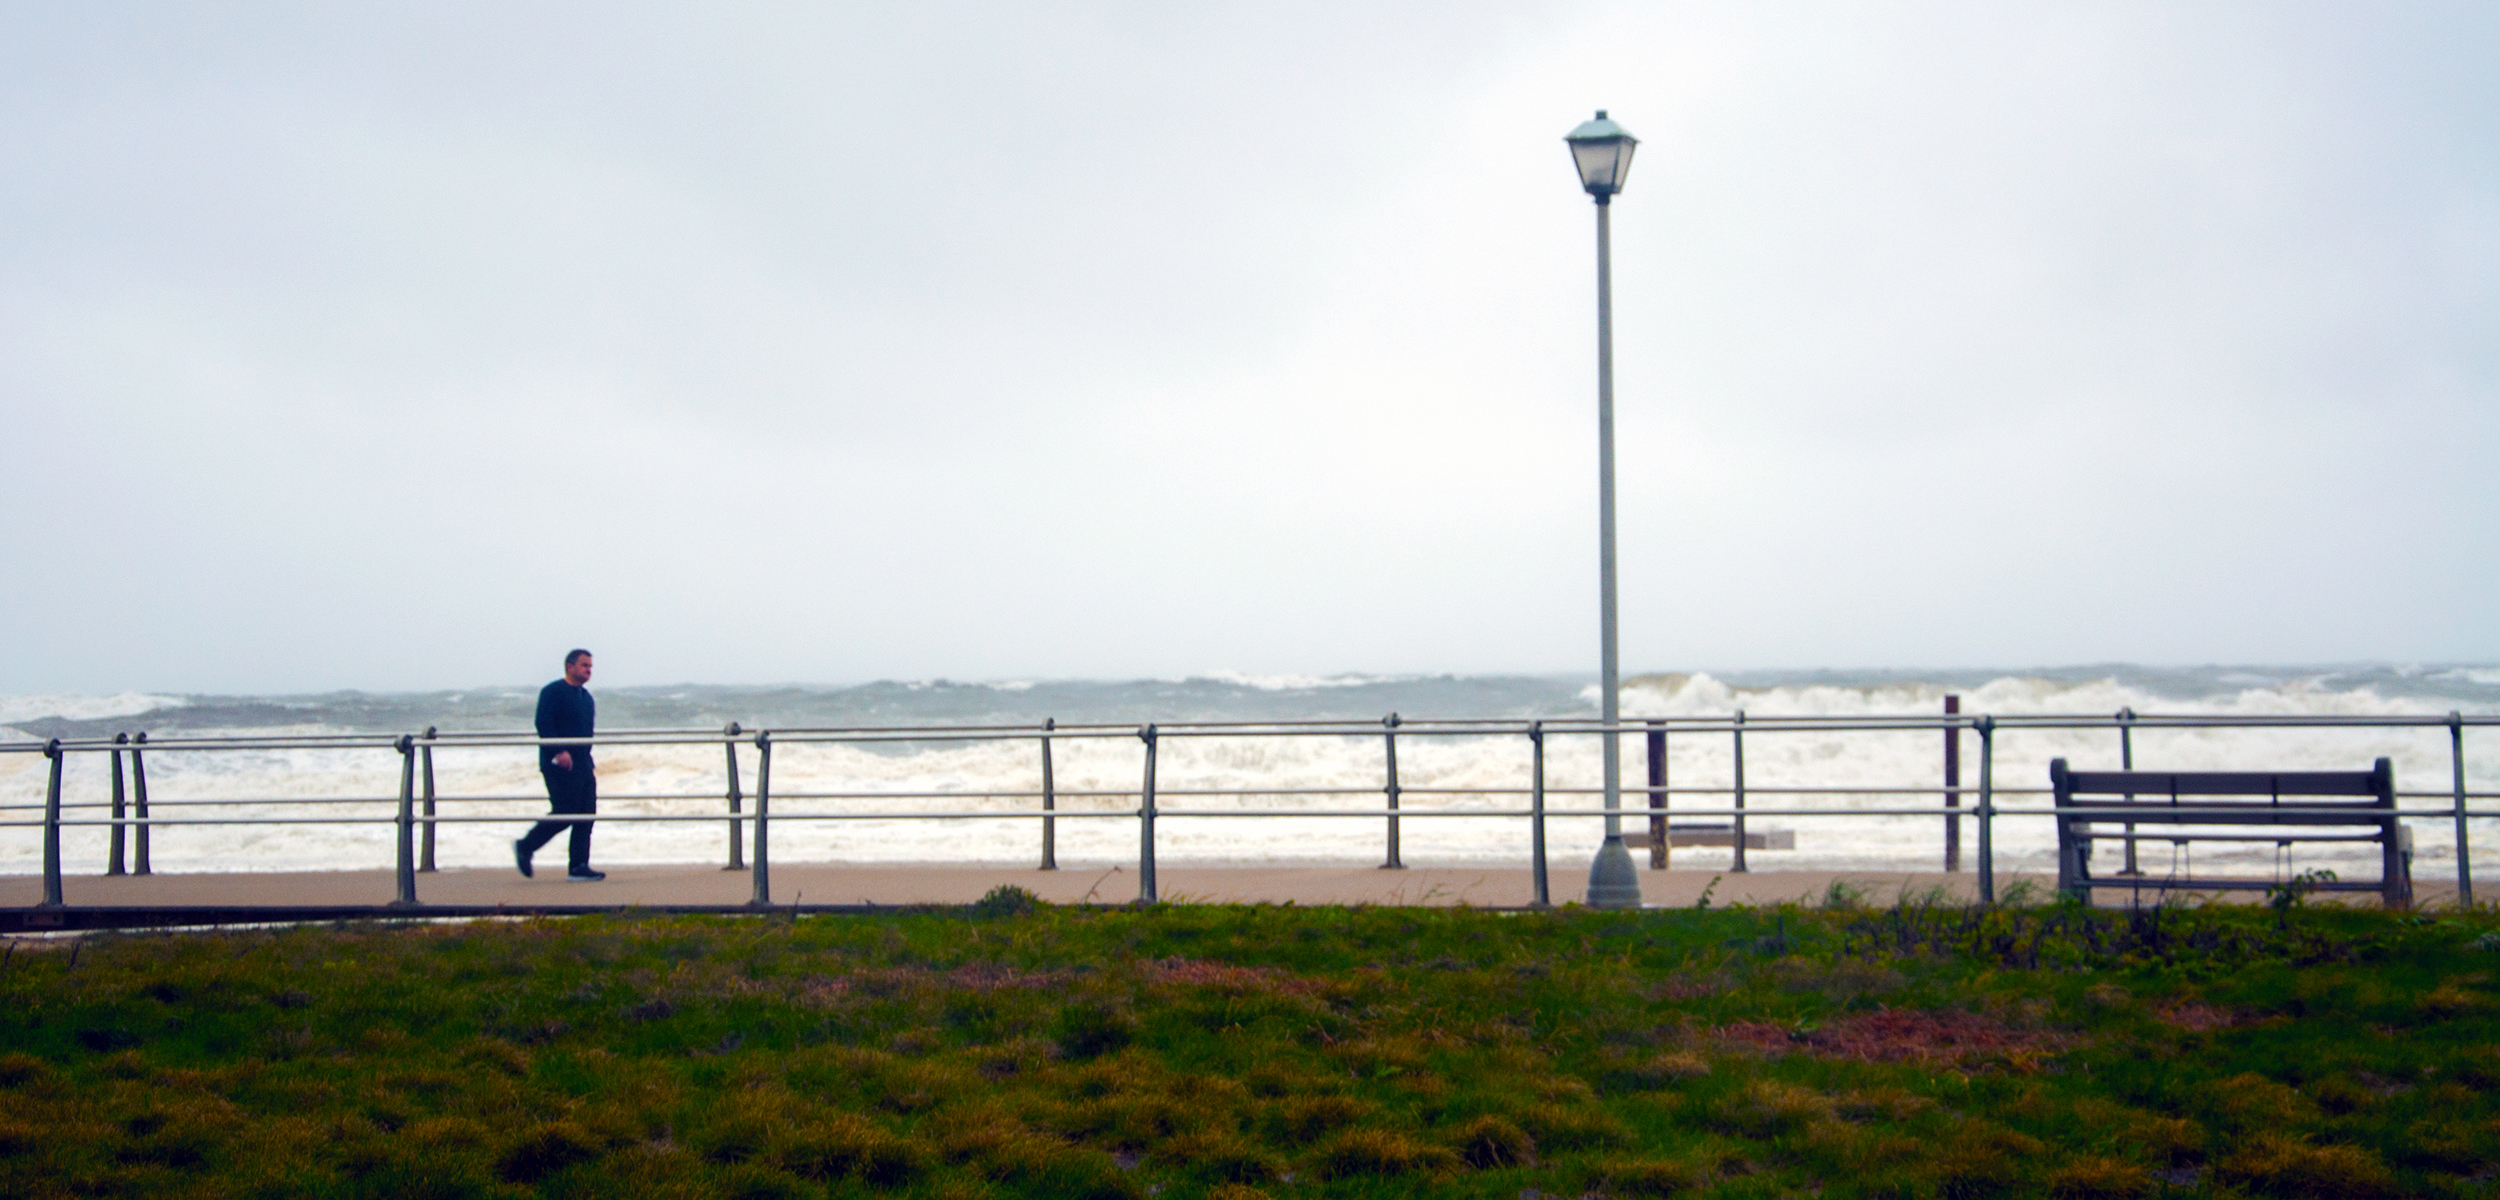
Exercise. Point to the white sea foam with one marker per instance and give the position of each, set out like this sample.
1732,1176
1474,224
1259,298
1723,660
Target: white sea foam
18,710
982,780
1293,683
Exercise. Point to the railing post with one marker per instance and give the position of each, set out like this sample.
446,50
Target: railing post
2126,762
139,804
1050,801
1739,825
2465,857
407,747
1536,812
1146,824
737,824
1661,848
113,865
1952,784
52,827
425,759
1390,740
1987,809
763,820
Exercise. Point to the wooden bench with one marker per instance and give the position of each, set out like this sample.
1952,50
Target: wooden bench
2290,799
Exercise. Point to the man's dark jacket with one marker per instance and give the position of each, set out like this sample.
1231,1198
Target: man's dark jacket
565,711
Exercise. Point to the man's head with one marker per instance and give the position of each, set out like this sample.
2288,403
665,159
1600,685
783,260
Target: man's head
577,667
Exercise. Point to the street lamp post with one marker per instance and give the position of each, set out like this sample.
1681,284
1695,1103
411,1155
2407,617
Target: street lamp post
1602,150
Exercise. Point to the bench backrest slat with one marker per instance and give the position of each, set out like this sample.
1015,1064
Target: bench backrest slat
2221,783
2251,795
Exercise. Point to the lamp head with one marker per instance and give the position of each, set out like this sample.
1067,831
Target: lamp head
1603,152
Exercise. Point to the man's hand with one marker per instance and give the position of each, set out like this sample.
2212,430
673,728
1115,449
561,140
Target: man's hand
564,759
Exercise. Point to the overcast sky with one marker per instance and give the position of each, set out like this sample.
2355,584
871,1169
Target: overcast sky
399,346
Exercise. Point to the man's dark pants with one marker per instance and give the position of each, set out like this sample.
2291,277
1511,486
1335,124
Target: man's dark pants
575,791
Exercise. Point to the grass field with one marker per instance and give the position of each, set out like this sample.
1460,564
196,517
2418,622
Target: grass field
1908,1049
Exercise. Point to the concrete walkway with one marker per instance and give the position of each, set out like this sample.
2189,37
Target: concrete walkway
819,883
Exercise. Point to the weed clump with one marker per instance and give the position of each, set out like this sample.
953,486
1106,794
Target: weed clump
1650,1177
1307,1118
846,1145
1490,1143
2099,1178
1222,1155
544,1150
1985,1159
1092,1028
1006,900
1380,1152
1768,1108
2283,1165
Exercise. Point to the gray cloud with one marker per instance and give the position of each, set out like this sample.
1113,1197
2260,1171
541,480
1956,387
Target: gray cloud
392,346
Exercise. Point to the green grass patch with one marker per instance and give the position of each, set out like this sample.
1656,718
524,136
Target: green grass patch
1015,1049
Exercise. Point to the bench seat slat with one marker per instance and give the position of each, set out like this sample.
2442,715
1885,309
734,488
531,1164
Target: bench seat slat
2147,812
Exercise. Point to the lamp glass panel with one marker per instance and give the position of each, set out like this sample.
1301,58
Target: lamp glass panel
1602,163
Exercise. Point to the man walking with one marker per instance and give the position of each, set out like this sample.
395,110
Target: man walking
565,710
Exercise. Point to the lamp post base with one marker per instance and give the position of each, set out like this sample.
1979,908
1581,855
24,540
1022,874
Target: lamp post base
1613,883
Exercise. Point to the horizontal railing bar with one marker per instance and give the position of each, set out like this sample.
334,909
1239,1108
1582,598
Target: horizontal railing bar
1633,792
1756,723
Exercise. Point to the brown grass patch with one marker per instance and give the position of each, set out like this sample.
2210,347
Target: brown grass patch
1227,978
2195,1016
1901,1035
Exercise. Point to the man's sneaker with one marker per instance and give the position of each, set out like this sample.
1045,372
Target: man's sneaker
584,875
521,859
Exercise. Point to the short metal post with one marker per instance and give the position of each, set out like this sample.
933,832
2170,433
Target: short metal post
763,820
1661,848
52,828
1146,824
139,804
1739,824
1536,812
2126,762
2465,857
1987,727
113,865
1050,801
737,824
1390,739
407,747
425,759
1952,783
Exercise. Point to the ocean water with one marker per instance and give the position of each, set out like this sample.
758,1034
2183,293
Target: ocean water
970,777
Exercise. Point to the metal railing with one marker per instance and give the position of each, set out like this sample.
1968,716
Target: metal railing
418,812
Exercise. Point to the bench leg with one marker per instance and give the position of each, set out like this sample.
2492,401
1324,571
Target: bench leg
2395,868
2071,877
